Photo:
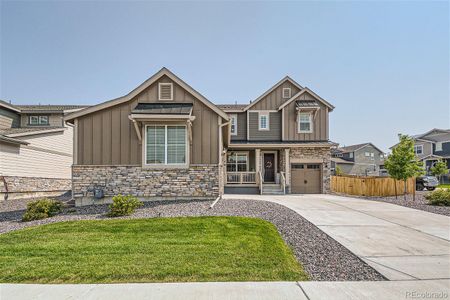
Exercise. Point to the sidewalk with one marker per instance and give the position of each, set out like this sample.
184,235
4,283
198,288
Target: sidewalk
424,289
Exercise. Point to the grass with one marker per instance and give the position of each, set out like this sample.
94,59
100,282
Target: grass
148,250
444,186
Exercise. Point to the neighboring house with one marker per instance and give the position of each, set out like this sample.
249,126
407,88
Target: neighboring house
362,159
35,150
166,141
431,147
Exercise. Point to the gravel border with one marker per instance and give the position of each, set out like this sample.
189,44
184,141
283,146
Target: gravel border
323,258
418,203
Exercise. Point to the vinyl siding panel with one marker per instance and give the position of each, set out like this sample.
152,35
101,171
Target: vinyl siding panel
274,132
274,99
320,122
113,141
8,119
241,128
47,155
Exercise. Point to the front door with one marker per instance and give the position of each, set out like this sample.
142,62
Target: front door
269,167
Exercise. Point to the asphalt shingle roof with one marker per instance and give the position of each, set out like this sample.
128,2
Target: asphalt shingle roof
232,106
8,131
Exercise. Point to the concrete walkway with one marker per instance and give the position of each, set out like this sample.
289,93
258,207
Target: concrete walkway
232,290
400,242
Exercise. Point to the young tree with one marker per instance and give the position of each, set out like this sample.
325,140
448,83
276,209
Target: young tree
338,171
439,169
403,162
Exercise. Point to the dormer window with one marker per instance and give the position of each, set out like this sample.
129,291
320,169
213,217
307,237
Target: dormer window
286,93
38,120
166,91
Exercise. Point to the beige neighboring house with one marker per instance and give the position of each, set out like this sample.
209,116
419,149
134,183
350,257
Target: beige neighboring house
164,140
35,150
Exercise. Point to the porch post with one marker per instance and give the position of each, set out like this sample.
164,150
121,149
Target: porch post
257,163
287,166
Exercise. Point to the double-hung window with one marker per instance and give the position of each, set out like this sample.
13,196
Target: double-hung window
233,120
165,145
237,162
418,149
263,121
305,122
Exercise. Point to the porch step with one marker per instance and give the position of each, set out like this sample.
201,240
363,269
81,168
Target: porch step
272,189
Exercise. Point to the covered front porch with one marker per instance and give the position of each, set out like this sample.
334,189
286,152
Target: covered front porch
256,170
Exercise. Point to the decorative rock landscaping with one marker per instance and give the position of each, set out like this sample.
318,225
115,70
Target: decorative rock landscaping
322,257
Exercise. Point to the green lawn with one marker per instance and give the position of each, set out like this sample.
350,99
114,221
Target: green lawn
148,250
447,186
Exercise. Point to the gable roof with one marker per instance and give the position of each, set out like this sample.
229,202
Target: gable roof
142,87
307,90
287,78
9,106
48,108
353,148
423,135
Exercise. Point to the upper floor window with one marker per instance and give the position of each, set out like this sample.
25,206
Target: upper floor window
350,155
38,120
263,122
165,91
233,120
286,93
165,145
418,149
438,146
305,122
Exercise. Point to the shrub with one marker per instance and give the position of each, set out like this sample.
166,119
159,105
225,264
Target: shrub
41,209
439,197
123,205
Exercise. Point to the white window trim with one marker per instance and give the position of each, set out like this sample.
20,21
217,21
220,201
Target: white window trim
290,93
235,124
350,155
436,147
165,165
416,147
311,129
171,91
247,155
267,114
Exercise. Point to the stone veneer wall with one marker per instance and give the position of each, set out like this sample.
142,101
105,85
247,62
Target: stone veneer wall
197,181
16,187
316,153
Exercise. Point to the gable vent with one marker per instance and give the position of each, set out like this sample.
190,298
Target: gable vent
165,91
286,93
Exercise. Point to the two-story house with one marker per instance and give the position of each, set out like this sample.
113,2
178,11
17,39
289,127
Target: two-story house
361,159
166,140
35,150
432,146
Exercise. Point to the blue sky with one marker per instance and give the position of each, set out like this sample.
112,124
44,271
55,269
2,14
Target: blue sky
384,65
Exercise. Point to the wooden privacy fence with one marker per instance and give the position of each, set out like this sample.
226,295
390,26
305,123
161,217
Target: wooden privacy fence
370,185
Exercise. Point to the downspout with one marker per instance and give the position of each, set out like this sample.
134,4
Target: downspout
220,158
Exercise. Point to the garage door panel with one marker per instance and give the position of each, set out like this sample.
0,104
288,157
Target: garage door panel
306,178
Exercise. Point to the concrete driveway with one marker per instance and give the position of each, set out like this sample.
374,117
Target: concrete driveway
399,242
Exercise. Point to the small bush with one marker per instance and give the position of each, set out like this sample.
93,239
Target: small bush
123,205
41,209
439,197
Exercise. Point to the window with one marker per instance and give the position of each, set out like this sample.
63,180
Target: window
38,120
304,122
438,146
372,156
237,162
263,121
313,167
165,91
233,120
165,145
350,155
286,93
418,149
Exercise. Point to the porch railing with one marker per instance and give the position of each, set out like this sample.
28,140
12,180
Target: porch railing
241,177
